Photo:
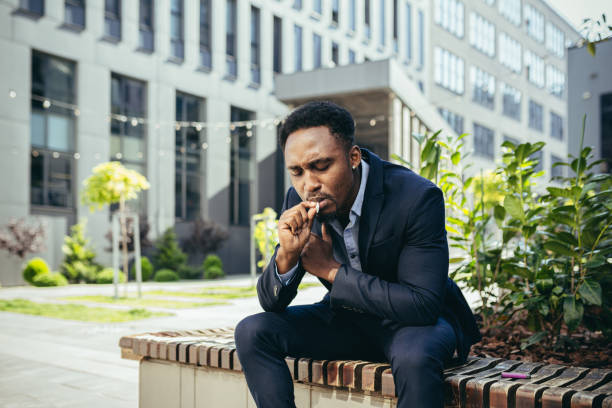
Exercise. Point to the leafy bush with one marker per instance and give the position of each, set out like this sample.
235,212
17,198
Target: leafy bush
168,254
212,260
107,275
36,266
79,264
213,272
146,269
206,236
189,272
50,279
266,235
165,275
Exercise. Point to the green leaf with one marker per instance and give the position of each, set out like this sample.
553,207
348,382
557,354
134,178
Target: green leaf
572,312
557,290
499,213
514,208
455,158
596,261
591,48
534,339
590,291
559,248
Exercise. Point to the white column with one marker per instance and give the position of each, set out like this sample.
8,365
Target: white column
243,41
266,48
218,37
191,18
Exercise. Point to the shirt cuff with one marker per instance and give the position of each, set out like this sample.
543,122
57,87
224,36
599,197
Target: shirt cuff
286,278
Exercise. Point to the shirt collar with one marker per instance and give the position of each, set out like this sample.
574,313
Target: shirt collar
358,203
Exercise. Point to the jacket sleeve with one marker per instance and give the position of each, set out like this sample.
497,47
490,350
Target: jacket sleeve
417,297
273,295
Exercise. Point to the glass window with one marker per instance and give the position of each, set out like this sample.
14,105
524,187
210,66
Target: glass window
316,49
556,171
555,81
241,164
382,26
449,14
255,47
335,11
297,46
535,116
395,25
317,6
351,56
52,128
511,101
36,7
606,130
297,4
177,47
483,87
408,41
556,126
145,26
535,68
449,70
511,10
534,23
538,158
205,34
510,54
230,39
366,19
421,18
74,13
188,158
112,19
484,142
278,45
454,120
482,34
555,40
335,54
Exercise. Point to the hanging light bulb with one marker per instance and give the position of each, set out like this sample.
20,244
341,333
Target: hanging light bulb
177,126
249,133
232,127
228,140
46,104
204,146
198,127
77,112
56,155
372,122
134,122
119,156
12,94
77,156
249,125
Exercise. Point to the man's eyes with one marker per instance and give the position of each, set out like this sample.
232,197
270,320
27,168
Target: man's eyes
317,167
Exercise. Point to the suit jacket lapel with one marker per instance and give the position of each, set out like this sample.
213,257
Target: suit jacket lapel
372,205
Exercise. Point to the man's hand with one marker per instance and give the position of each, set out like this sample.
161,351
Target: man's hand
318,258
294,228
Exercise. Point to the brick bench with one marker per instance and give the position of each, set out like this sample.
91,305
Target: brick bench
200,368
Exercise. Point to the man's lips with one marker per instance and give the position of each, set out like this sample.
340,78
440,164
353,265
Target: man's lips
323,202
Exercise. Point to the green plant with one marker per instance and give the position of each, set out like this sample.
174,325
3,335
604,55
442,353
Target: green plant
189,272
35,267
78,264
212,260
107,275
266,235
165,275
50,279
168,254
20,238
146,269
213,272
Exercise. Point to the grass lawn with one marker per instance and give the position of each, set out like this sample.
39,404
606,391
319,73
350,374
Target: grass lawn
76,312
147,301
220,292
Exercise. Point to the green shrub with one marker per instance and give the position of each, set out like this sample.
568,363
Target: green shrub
213,272
212,260
165,275
77,271
79,264
189,272
50,279
168,254
106,275
146,269
37,266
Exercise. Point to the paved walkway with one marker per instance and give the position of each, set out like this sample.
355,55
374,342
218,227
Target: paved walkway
49,362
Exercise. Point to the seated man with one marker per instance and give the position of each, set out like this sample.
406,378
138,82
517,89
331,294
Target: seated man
374,234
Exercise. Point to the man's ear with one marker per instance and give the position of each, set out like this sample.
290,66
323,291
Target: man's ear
355,156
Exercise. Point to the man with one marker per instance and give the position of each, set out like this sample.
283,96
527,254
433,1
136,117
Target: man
374,234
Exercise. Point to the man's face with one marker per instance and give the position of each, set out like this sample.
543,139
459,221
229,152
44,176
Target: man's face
320,169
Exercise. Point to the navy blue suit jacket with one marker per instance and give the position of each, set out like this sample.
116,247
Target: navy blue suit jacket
404,258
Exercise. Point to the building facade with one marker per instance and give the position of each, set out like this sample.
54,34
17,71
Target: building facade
590,94
184,92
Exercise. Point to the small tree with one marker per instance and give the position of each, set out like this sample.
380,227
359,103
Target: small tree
168,254
79,257
20,238
111,183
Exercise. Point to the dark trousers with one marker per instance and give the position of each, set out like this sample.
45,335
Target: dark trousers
417,354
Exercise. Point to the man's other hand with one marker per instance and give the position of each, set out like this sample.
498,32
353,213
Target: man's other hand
294,228
318,258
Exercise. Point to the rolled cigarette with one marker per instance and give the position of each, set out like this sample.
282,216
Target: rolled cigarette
317,207
506,374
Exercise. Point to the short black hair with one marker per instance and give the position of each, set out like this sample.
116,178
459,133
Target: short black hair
320,113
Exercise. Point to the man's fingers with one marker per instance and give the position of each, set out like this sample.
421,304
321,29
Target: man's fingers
326,236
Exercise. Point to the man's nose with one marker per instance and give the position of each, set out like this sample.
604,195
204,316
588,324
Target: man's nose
311,183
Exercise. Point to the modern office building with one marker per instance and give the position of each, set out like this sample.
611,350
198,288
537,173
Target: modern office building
190,94
590,94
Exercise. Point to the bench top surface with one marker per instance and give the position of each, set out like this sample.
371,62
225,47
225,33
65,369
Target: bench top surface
478,382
